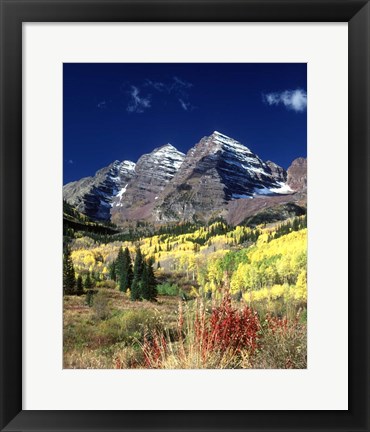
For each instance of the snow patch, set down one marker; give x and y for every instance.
(121, 192)
(255, 169)
(283, 189)
(263, 191)
(130, 166)
(226, 141)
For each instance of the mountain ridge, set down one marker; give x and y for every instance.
(166, 185)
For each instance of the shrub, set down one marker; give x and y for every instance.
(100, 305)
(89, 298)
(224, 337)
(76, 335)
(107, 284)
(168, 289)
(227, 329)
(130, 326)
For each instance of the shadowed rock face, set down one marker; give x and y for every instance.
(93, 195)
(277, 171)
(218, 177)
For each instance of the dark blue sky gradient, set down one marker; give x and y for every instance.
(178, 104)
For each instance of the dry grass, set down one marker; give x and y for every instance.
(283, 345)
(120, 338)
(109, 338)
(209, 336)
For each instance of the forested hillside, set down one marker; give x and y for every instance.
(133, 291)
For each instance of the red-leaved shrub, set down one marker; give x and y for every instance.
(227, 329)
(217, 336)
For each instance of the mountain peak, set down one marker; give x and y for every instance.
(219, 134)
(128, 165)
(227, 142)
(166, 148)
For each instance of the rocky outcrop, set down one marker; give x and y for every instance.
(297, 175)
(277, 172)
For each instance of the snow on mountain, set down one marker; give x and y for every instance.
(167, 185)
(216, 170)
(93, 195)
(153, 171)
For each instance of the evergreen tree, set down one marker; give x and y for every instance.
(80, 288)
(126, 276)
(95, 276)
(89, 297)
(144, 282)
(88, 282)
(304, 221)
(152, 283)
(69, 278)
(148, 284)
(158, 265)
(295, 226)
(120, 264)
(112, 271)
(89, 290)
(138, 271)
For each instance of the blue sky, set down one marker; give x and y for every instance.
(119, 111)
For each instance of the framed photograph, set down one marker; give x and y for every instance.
(184, 215)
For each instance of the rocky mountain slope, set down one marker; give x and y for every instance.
(153, 171)
(93, 195)
(219, 176)
(218, 169)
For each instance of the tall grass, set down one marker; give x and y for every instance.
(207, 337)
(283, 344)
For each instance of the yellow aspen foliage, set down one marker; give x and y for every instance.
(300, 291)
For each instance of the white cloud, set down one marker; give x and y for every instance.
(70, 161)
(295, 100)
(137, 104)
(173, 88)
(185, 105)
(176, 88)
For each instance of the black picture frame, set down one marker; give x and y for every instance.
(13, 14)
